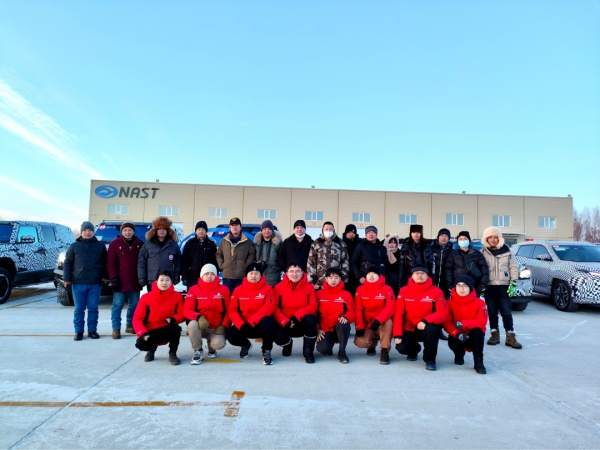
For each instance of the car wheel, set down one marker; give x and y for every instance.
(562, 296)
(519, 306)
(64, 295)
(6, 285)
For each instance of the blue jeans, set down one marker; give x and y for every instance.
(86, 296)
(117, 306)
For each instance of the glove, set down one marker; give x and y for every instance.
(360, 333)
(458, 324)
(512, 290)
(245, 329)
(375, 325)
(145, 337)
(295, 321)
(115, 284)
(462, 337)
(290, 324)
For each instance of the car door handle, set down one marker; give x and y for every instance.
(41, 250)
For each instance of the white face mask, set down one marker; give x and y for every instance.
(300, 236)
(328, 234)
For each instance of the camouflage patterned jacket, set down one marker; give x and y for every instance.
(325, 254)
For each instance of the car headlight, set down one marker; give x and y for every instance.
(61, 257)
(524, 274)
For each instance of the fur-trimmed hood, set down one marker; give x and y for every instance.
(276, 239)
(162, 222)
(386, 241)
(491, 231)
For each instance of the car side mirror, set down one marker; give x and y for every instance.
(27, 240)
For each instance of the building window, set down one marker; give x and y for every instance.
(118, 210)
(407, 219)
(266, 214)
(217, 213)
(168, 211)
(547, 222)
(501, 221)
(313, 215)
(455, 219)
(361, 217)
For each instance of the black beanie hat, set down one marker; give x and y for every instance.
(465, 234)
(201, 224)
(127, 225)
(445, 231)
(419, 268)
(300, 223)
(373, 268)
(328, 223)
(334, 270)
(351, 227)
(254, 266)
(415, 228)
(467, 279)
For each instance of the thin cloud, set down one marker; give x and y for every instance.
(19, 117)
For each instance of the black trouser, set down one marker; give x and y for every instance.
(169, 334)
(430, 337)
(473, 343)
(497, 299)
(306, 328)
(340, 335)
(265, 330)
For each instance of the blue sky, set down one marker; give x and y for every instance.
(486, 97)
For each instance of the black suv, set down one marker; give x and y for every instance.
(28, 252)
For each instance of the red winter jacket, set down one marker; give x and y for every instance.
(334, 302)
(122, 263)
(470, 310)
(155, 307)
(419, 303)
(374, 301)
(209, 300)
(250, 303)
(294, 299)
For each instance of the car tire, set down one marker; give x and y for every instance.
(562, 296)
(6, 285)
(519, 306)
(64, 294)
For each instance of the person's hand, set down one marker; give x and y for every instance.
(146, 337)
(320, 336)
(375, 325)
(458, 324)
(295, 321)
(290, 324)
(462, 337)
(67, 283)
(362, 280)
(397, 341)
(342, 320)
(360, 333)
(421, 325)
(170, 320)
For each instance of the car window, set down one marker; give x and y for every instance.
(48, 234)
(540, 250)
(5, 232)
(577, 253)
(525, 250)
(27, 231)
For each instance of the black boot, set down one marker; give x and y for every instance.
(149, 356)
(308, 349)
(286, 350)
(173, 359)
(342, 357)
(479, 367)
(384, 356)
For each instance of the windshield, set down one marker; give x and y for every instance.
(577, 253)
(107, 233)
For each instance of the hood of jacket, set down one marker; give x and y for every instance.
(491, 231)
(276, 239)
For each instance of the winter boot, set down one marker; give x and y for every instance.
(342, 357)
(267, 360)
(116, 334)
(173, 359)
(430, 365)
(286, 350)
(511, 340)
(384, 356)
(308, 349)
(149, 356)
(245, 349)
(479, 367)
(494, 338)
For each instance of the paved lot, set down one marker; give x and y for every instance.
(57, 393)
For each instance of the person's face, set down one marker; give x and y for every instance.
(161, 233)
(393, 246)
(333, 279)
(200, 233)
(372, 277)
(420, 277)
(295, 273)
(443, 239)
(462, 289)
(208, 277)
(267, 233)
(371, 236)
(163, 282)
(415, 236)
(254, 276)
(463, 239)
(328, 229)
(350, 235)
(127, 233)
(299, 231)
(87, 234)
(235, 229)
(493, 240)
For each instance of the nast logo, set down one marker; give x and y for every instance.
(108, 191)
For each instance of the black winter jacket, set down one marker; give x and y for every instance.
(293, 251)
(368, 254)
(472, 263)
(85, 262)
(195, 255)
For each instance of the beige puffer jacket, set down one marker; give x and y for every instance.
(500, 260)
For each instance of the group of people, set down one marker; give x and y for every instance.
(401, 290)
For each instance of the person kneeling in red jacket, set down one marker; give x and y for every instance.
(206, 313)
(156, 318)
(336, 313)
(374, 310)
(251, 312)
(420, 312)
(466, 323)
(296, 309)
